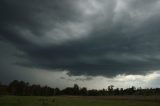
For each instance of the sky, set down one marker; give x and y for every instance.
(94, 43)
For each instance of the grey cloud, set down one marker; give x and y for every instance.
(107, 42)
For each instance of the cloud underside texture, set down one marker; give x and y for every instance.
(85, 37)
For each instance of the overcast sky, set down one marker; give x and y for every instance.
(93, 43)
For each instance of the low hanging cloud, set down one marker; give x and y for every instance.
(85, 37)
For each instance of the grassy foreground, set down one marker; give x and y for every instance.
(80, 101)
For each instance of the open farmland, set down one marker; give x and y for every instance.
(80, 101)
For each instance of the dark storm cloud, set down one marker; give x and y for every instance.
(88, 37)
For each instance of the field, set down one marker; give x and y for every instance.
(80, 101)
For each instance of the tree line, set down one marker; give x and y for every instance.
(21, 88)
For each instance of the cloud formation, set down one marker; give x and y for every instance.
(85, 37)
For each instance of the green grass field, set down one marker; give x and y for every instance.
(79, 101)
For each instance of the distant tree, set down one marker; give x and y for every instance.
(13, 87)
(76, 89)
(110, 89)
(21, 88)
(116, 91)
(93, 92)
(57, 91)
(36, 90)
(83, 91)
(18, 87)
(102, 92)
(121, 91)
(3, 89)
